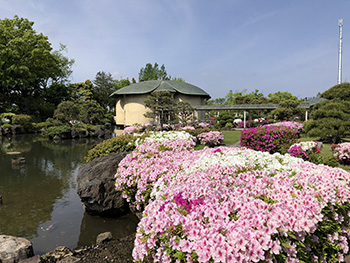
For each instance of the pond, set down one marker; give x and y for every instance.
(39, 194)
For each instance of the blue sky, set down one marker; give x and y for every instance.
(217, 45)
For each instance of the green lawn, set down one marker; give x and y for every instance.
(230, 137)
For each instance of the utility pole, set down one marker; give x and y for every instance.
(340, 24)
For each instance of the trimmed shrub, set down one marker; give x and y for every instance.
(342, 152)
(305, 150)
(122, 143)
(211, 138)
(24, 120)
(56, 130)
(269, 138)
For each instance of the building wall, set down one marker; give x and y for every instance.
(194, 101)
(130, 109)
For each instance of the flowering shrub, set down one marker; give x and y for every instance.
(269, 138)
(289, 124)
(138, 128)
(304, 149)
(240, 205)
(342, 152)
(211, 138)
(139, 170)
(241, 124)
(163, 136)
(188, 128)
(203, 125)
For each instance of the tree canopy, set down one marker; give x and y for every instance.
(162, 106)
(331, 118)
(150, 72)
(27, 65)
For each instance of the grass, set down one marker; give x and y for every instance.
(231, 137)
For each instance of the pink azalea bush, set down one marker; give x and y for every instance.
(137, 128)
(342, 152)
(211, 138)
(203, 125)
(289, 124)
(239, 205)
(304, 149)
(269, 138)
(139, 170)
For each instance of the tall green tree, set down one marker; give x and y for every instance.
(150, 72)
(103, 87)
(184, 112)
(162, 106)
(27, 65)
(82, 91)
(280, 96)
(330, 119)
(287, 110)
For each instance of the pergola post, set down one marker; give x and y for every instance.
(306, 115)
(244, 119)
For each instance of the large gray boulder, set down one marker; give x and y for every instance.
(13, 249)
(96, 186)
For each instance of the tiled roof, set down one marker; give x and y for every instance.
(161, 85)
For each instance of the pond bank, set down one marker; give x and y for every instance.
(115, 250)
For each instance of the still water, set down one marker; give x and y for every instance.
(39, 193)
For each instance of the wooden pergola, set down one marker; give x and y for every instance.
(247, 107)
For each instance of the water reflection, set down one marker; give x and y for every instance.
(39, 195)
(91, 226)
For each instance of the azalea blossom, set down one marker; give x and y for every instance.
(233, 205)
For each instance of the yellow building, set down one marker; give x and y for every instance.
(130, 106)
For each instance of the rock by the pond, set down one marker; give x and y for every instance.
(98, 132)
(17, 129)
(103, 237)
(13, 249)
(96, 186)
(35, 259)
(57, 254)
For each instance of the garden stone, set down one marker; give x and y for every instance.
(98, 132)
(13, 249)
(96, 186)
(74, 133)
(56, 138)
(103, 237)
(65, 135)
(57, 254)
(7, 131)
(108, 133)
(69, 259)
(17, 129)
(83, 133)
(35, 259)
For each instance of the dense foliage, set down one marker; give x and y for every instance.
(28, 67)
(331, 118)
